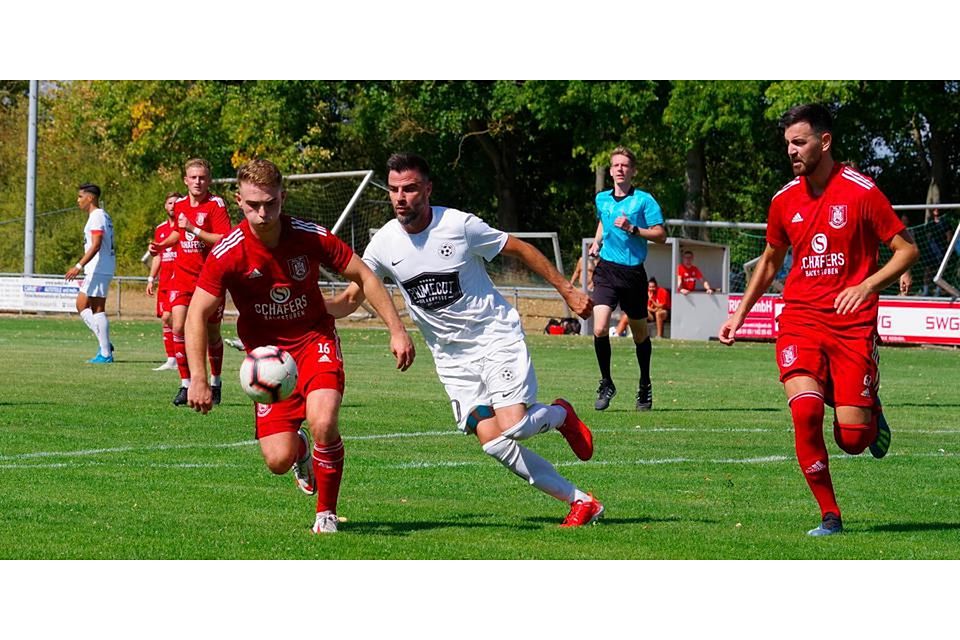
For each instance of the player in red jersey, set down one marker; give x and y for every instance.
(201, 221)
(834, 218)
(270, 263)
(688, 274)
(160, 279)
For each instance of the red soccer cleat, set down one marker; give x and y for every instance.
(583, 513)
(576, 433)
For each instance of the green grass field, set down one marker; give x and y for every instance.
(96, 463)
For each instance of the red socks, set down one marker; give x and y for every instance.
(180, 352)
(807, 410)
(328, 467)
(854, 438)
(168, 342)
(215, 353)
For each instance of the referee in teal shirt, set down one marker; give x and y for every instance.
(628, 218)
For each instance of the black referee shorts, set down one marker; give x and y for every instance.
(615, 284)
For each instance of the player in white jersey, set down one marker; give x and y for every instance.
(98, 265)
(436, 255)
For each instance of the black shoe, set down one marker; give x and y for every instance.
(605, 393)
(645, 397)
(181, 398)
(215, 392)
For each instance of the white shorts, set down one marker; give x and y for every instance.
(500, 379)
(96, 285)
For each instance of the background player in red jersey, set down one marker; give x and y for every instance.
(201, 221)
(270, 263)
(834, 218)
(161, 278)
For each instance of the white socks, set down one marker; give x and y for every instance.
(103, 332)
(540, 418)
(87, 316)
(531, 467)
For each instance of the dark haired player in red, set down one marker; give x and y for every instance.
(834, 218)
(201, 220)
(160, 280)
(270, 263)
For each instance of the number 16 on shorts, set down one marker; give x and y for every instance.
(328, 350)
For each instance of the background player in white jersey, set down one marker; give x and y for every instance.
(436, 255)
(98, 264)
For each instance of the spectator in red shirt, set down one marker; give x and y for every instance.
(658, 305)
(688, 274)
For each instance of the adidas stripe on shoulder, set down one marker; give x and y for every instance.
(229, 241)
(309, 227)
(857, 178)
(786, 187)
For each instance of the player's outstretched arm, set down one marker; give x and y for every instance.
(767, 267)
(400, 343)
(575, 298)
(169, 241)
(202, 306)
(905, 253)
(345, 302)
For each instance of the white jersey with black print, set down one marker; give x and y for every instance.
(443, 278)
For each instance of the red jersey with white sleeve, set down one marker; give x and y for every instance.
(835, 238)
(209, 215)
(276, 291)
(168, 256)
(688, 276)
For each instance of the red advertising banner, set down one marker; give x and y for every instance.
(899, 319)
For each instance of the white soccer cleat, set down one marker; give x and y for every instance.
(303, 469)
(235, 343)
(169, 365)
(326, 522)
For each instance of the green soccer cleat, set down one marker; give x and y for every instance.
(880, 446)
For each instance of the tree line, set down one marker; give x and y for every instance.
(524, 155)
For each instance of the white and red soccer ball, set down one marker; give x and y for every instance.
(268, 374)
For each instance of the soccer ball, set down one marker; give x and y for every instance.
(268, 374)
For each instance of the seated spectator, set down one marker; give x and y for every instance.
(658, 305)
(688, 274)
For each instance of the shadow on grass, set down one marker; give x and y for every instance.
(407, 527)
(607, 520)
(922, 405)
(660, 409)
(915, 526)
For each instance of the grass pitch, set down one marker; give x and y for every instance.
(95, 462)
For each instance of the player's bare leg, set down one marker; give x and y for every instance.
(323, 411)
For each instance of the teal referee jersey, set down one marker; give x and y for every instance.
(641, 210)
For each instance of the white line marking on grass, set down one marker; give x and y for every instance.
(96, 452)
(65, 465)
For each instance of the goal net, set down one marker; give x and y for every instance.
(345, 202)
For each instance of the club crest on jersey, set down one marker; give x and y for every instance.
(445, 250)
(838, 216)
(299, 268)
(280, 294)
(201, 216)
(788, 355)
(263, 409)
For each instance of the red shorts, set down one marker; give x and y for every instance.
(319, 366)
(845, 363)
(182, 299)
(163, 302)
